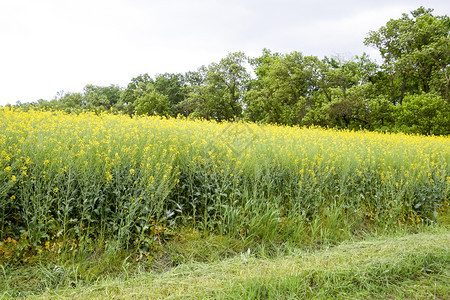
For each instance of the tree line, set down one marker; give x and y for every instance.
(408, 91)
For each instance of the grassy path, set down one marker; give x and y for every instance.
(405, 267)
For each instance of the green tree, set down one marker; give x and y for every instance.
(134, 90)
(101, 98)
(381, 113)
(414, 48)
(439, 54)
(253, 98)
(425, 113)
(283, 89)
(216, 91)
(175, 88)
(348, 87)
(71, 102)
(150, 102)
(350, 108)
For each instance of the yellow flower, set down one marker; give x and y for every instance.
(108, 176)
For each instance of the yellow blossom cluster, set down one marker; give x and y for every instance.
(113, 164)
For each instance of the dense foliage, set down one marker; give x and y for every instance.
(84, 180)
(408, 92)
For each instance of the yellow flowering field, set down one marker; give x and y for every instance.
(70, 179)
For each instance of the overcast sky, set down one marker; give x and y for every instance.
(51, 45)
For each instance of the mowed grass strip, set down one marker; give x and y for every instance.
(412, 267)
